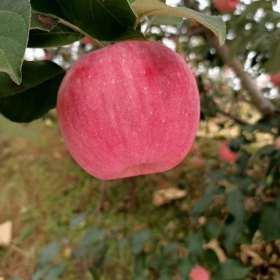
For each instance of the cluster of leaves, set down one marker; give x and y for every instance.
(96, 252)
(29, 89)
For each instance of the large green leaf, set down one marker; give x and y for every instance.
(47, 7)
(34, 74)
(157, 8)
(59, 36)
(15, 17)
(103, 20)
(35, 96)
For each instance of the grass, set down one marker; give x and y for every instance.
(43, 190)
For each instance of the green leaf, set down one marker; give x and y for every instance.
(204, 203)
(47, 7)
(272, 65)
(157, 8)
(49, 253)
(55, 272)
(103, 20)
(92, 236)
(166, 20)
(233, 231)
(195, 243)
(44, 70)
(59, 36)
(235, 204)
(139, 240)
(15, 17)
(35, 96)
(269, 224)
(233, 270)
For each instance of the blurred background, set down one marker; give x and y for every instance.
(219, 209)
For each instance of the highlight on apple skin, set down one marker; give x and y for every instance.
(129, 109)
(199, 273)
(226, 6)
(275, 79)
(226, 154)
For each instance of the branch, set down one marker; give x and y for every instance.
(75, 28)
(216, 248)
(230, 116)
(260, 102)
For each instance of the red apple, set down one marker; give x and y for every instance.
(199, 273)
(275, 79)
(198, 162)
(129, 109)
(226, 154)
(87, 41)
(226, 6)
(277, 143)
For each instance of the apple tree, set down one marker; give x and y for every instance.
(233, 50)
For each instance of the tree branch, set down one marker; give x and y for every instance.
(260, 102)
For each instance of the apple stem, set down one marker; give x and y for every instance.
(97, 43)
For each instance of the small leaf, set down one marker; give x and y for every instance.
(203, 204)
(195, 243)
(269, 224)
(139, 240)
(157, 8)
(233, 270)
(42, 22)
(15, 17)
(235, 204)
(35, 96)
(233, 231)
(49, 253)
(55, 272)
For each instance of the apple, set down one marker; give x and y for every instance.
(198, 162)
(275, 79)
(129, 109)
(277, 143)
(226, 6)
(199, 273)
(87, 41)
(226, 154)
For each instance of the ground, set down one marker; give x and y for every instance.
(42, 189)
(45, 194)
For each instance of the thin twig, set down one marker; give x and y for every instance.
(77, 29)
(216, 248)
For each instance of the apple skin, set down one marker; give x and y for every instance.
(275, 79)
(129, 109)
(226, 154)
(199, 273)
(226, 6)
